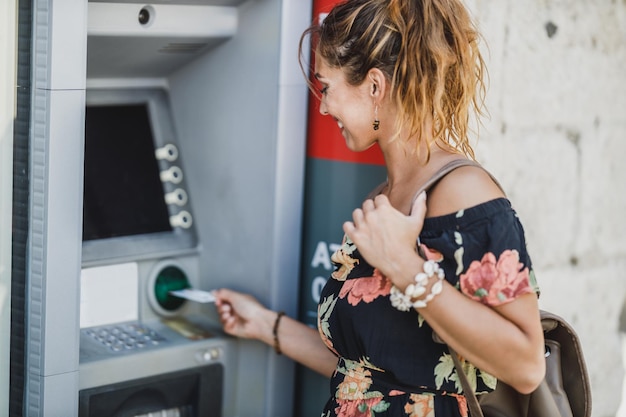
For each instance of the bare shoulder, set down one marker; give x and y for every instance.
(462, 188)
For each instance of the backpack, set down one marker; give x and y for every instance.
(564, 392)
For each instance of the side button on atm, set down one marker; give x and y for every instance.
(208, 355)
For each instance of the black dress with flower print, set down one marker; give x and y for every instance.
(389, 364)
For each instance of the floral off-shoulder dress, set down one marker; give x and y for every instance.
(389, 364)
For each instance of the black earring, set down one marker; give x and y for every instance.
(376, 124)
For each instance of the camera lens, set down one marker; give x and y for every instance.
(144, 16)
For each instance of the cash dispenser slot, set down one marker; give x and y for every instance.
(190, 393)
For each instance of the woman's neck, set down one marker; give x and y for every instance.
(408, 171)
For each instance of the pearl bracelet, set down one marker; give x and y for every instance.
(403, 300)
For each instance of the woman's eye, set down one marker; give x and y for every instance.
(324, 90)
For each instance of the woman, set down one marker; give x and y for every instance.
(406, 74)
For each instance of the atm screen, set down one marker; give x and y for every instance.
(123, 193)
(135, 202)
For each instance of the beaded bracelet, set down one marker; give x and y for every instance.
(403, 300)
(275, 332)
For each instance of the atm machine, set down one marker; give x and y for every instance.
(142, 349)
(176, 162)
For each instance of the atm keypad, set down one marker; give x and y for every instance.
(125, 336)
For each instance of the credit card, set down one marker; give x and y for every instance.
(192, 294)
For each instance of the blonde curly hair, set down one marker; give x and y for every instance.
(427, 49)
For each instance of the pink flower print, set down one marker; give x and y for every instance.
(496, 282)
(365, 289)
(462, 404)
(360, 408)
(420, 405)
(355, 384)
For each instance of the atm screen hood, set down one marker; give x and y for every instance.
(132, 40)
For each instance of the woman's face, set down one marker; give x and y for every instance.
(352, 107)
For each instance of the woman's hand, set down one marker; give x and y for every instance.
(385, 236)
(241, 314)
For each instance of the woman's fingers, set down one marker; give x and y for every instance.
(368, 205)
(380, 200)
(358, 217)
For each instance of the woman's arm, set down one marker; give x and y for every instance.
(243, 316)
(505, 341)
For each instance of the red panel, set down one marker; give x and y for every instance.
(324, 137)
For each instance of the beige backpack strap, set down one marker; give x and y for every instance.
(449, 167)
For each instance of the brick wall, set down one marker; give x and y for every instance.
(556, 139)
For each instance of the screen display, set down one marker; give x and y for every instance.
(123, 193)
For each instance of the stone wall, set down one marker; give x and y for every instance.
(556, 139)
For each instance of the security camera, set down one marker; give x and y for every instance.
(144, 16)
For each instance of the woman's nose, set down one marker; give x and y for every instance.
(323, 107)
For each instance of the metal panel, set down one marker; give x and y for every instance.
(137, 40)
(7, 114)
(240, 111)
(59, 39)
(55, 244)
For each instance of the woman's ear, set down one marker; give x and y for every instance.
(377, 83)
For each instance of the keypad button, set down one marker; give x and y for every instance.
(125, 337)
